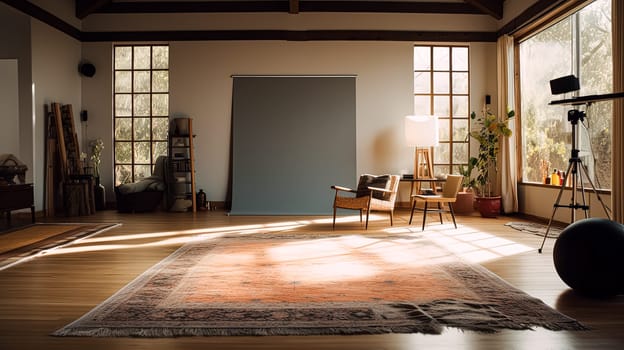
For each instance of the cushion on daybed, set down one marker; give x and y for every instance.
(145, 194)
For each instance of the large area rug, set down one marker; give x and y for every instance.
(25, 243)
(298, 284)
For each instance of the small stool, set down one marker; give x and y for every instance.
(78, 196)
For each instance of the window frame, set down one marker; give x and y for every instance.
(153, 142)
(451, 166)
(570, 11)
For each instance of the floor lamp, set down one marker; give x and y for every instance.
(421, 131)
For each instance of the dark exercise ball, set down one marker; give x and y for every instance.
(589, 257)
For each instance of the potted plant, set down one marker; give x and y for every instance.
(468, 182)
(488, 131)
(464, 203)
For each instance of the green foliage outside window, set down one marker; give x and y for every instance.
(579, 45)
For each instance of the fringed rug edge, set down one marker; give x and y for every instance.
(168, 332)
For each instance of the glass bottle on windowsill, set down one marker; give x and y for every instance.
(554, 178)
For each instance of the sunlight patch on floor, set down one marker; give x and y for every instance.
(349, 257)
(467, 242)
(167, 238)
(102, 247)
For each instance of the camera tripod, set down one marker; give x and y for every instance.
(576, 169)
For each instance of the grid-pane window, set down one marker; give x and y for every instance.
(579, 44)
(141, 109)
(441, 88)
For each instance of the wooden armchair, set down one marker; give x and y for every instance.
(448, 197)
(373, 193)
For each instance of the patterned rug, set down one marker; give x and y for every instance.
(298, 284)
(28, 242)
(535, 228)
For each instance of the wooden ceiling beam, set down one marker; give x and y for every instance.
(493, 8)
(197, 6)
(292, 35)
(290, 6)
(87, 7)
(293, 6)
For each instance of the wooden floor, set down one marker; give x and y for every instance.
(39, 296)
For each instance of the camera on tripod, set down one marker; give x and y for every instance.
(576, 169)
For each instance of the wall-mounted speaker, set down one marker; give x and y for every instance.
(488, 99)
(86, 69)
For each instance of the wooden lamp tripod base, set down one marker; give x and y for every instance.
(423, 168)
(423, 164)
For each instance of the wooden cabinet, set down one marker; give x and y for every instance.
(182, 162)
(17, 196)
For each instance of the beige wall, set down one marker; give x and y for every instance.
(63, 9)
(97, 101)
(15, 39)
(47, 62)
(201, 82)
(201, 87)
(9, 100)
(284, 21)
(539, 200)
(513, 8)
(55, 78)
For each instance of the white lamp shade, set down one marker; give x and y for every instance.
(421, 130)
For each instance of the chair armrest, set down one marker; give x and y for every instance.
(379, 189)
(341, 188)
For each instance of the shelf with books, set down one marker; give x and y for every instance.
(182, 164)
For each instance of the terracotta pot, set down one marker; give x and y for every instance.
(489, 207)
(464, 203)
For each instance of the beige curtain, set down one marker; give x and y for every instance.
(617, 149)
(505, 71)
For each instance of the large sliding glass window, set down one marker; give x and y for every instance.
(441, 88)
(581, 45)
(141, 109)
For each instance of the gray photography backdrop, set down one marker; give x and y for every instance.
(292, 138)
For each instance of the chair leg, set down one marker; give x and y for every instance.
(360, 216)
(334, 225)
(391, 215)
(452, 214)
(412, 214)
(440, 212)
(424, 215)
(367, 212)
